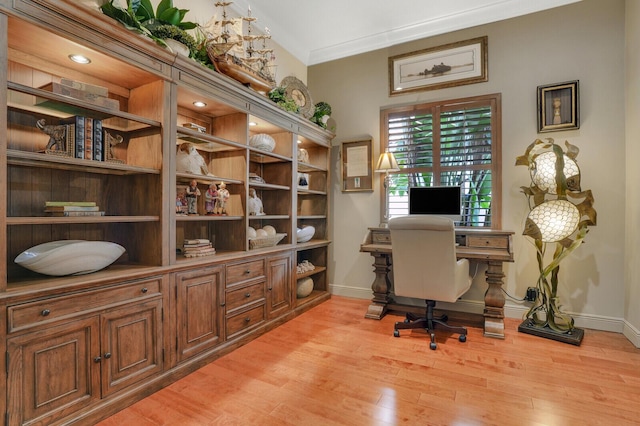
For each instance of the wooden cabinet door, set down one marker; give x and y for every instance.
(279, 295)
(200, 312)
(131, 344)
(53, 371)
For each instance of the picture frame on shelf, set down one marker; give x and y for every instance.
(449, 65)
(559, 107)
(357, 166)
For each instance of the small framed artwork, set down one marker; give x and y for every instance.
(357, 169)
(558, 107)
(454, 64)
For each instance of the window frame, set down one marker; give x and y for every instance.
(495, 102)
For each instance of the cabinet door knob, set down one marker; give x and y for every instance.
(107, 355)
(45, 312)
(97, 359)
(223, 304)
(144, 289)
(270, 288)
(247, 295)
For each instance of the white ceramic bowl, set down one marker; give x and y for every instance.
(304, 287)
(263, 142)
(305, 233)
(70, 257)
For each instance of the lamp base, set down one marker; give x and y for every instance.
(574, 337)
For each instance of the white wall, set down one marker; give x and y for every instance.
(632, 220)
(582, 41)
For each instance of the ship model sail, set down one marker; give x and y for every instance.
(234, 53)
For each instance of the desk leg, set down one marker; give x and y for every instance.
(494, 302)
(381, 286)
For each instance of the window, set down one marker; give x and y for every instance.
(448, 143)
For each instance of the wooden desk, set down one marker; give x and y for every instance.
(482, 245)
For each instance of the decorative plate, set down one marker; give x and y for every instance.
(70, 257)
(296, 90)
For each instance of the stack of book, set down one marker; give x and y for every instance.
(84, 138)
(72, 208)
(197, 248)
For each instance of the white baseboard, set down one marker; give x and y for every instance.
(594, 322)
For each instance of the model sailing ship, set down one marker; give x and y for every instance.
(234, 53)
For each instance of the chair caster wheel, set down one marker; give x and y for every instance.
(432, 346)
(396, 333)
(462, 338)
(407, 321)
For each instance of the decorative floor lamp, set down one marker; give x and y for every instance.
(386, 163)
(560, 213)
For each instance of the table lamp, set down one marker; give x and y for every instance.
(386, 163)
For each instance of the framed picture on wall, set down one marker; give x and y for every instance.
(357, 168)
(454, 64)
(558, 107)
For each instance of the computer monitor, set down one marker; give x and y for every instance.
(436, 200)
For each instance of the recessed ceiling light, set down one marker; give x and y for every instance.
(199, 104)
(299, 141)
(253, 123)
(80, 59)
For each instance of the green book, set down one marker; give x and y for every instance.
(70, 203)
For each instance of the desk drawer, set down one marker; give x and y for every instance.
(245, 271)
(380, 237)
(244, 321)
(48, 310)
(244, 296)
(489, 242)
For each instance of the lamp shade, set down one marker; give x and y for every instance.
(387, 163)
(543, 174)
(552, 221)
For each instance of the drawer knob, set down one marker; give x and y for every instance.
(248, 271)
(107, 355)
(247, 319)
(247, 295)
(45, 312)
(144, 289)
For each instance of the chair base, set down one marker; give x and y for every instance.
(429, 323)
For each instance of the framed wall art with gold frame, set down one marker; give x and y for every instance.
(558, 107)
(357, 166)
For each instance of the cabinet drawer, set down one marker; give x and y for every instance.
(245, 271)
(244, 321)
(491, 242)
(45, 311)
(244, 296)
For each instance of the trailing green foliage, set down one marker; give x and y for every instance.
(278, 96)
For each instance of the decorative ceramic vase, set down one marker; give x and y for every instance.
(305, 233)
(304, 287)
(177, 47)
(263, 142)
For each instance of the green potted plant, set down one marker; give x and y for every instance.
(165, 24)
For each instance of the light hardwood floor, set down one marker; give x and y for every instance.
(330, 366)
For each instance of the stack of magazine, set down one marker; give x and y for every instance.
(197, 248)
(72, 208)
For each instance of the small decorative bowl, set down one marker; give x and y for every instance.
(304, 287)
(305, 233)
(263, 142)
(70, 257)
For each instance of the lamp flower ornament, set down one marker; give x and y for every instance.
(560, 213)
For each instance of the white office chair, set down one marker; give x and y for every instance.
(425, 267)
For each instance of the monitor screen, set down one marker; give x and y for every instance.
(435, 200)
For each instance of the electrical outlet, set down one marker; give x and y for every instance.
(532, 294)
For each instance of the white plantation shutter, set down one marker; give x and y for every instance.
(448, 144)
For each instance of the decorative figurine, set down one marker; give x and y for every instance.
(57, 136)
(189, 160)
(110, 142)
(255, 204)
(210, 198)
(223, 197)
(192, 197)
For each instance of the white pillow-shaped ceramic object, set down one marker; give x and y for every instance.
(305, 233)
(251, 232)
(270, 230)
(70, 257)
(261, 233)
(263, 142)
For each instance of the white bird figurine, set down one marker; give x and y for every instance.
(189, 160)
